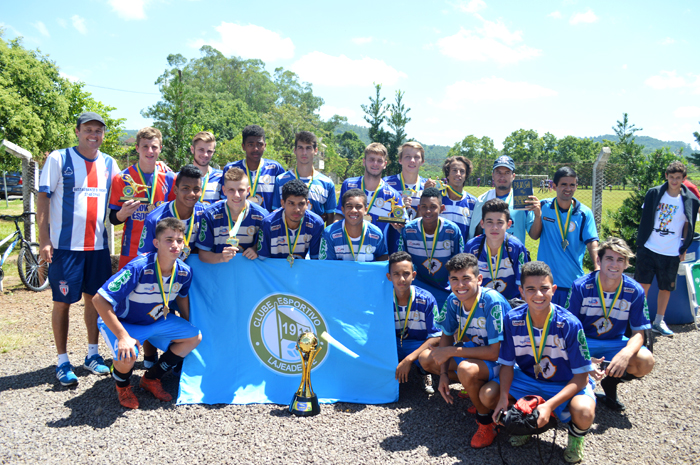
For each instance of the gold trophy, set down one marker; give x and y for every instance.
(132, 189)
(396, 214)
(305, 402)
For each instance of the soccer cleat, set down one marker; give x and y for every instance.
(519, 441)
(127, 398)
(662, 329)
(574, 450)
(463, 394)
(612, 404)
(65, 375)
(96, 365)
(155, 387)
(484, 436)
(428, 383)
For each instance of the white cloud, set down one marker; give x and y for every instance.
(353, 116)
(469, 7)
(587, 17)
(70, 77)
(666, 80)
(492, 89)
(624, 66)
(249, 41)
(341, 71)
(62, 22)
(687, 112)
(492, 42)
(129, 9)
(41, 27)
(668, 41)
(79, 24)
(555, 15)
(362, 40)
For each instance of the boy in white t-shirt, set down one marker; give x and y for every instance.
(665, 232)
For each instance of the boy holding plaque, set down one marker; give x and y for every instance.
(135, 306)
(292, 231)
(414, 312)
(459, 204)
(544, 353)
(354, 238)
(231, 226)
(472, 330)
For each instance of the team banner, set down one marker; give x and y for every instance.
(251, 313)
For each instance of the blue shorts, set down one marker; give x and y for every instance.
(73, 273)
(494, 367)
(560, 296)
(161, 333)
(607, 348)
(408, 347)
(523, 386)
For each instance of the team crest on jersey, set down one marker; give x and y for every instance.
(379, 202)
(250, 230)
(507, 262)
(447, 245)
(119, 281)
(63, 287)
(572, 227)
(466, 212)
(433, 266)
(548, 368)
(583, 345)
(68, 171)
(275, 325)
(602, 325)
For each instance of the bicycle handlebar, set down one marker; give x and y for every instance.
(16, 217)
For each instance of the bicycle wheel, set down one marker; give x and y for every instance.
(33, 272)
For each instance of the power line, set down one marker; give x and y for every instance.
(122, 90)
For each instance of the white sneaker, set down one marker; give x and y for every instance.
(428, 384)
(662, 329)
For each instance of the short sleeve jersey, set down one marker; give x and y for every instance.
(513, 256)
(485, 327)
(78, 191)
(584, 302)
(582, 230)
(334, 244)
(459, 211)
(211, 186)
(214, 228)
(321, 191)
(135, 294)
(565, 353)
(133, 226)
(421, 321)
(272, 237)
(449, 243)
(265, 190)
(415, 190)
(167, 210)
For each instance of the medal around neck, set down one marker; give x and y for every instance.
(305, 402)
(232, 240)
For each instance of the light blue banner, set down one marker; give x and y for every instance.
(252, 312)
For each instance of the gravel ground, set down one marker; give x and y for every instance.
(43, 422)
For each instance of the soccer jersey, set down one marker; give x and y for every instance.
(367, 248)
(416, 190)
(133, 226)
(321, 191)
(211, 186)
(382, 205)
(135, 294)
(486, 325)
(522, 219)
(167, 210)
(273, 240)
(565, 353)
(264, 192)
(631, 305)
(567, 265)
(420, 325)
(78, 189)
(513, 256)
(459, 211)
(449, 243)
(214, 228)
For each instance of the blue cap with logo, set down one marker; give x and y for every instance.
(504, 160)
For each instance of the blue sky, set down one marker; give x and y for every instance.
(467, 66)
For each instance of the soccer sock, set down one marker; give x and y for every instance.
(484, 418)
(150, 358)
(628, 377)
(576, 431)
(659, 319)
(166, 362)
(62, 358)
(122, 379)
(92, 350)
(609, 385)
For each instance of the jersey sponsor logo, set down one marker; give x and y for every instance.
(336, 235)
(583, 345)
(150, 288)
(589, 286)
(646, 309)
(275, 325)
(68, 172)
(119, 281)
(220, 216)
(545, 218)
(373, 236)
(143, 236)
(180, 273)
(337, 248)
(275, 227)
(323, 250)
(90, 191)
(148, 271)
(420, 301)
(568, 298)
(203, 230)
(260, 239)
(410, 230)
(449, 231)
(63, 287)
(497, 315)
(256, 217)
(560, 324)
(628, 289)
(518, 322)
(440, 315)
(309, 225)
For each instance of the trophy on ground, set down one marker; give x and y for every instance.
(132, 189)
(305, 402)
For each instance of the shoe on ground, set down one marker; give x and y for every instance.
(65, 375)
(463, 394)
(574, 450)
(612, 404)
(662, 329)
(428, 383)
(484, 436)
(519, 441)
(471, 410)
(155, 387)
(127, 398)
(96, 365)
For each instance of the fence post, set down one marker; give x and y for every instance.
(29, 185)
(599, 185)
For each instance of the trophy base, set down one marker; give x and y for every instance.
(140, 199)
(304, 406)
(388, 219)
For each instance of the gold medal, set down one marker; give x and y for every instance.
(564, 244)
(150, 207)
(368, 218)
(232, 240)
(538, 370)
(186, 252)
(290, 259)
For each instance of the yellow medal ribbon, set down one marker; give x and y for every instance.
(425, 241)
(204, 185)
(289, 241)
(159, 278)
(403, 185)
(494, 275)
(458, 194)
(233, 228)
(190, 226)
(254, 186)
(461, 331)
(374, 197)
(564, 231)
(538, 351)
(408, 311)
(362, 241)
(150, 195)
(313, 171)
(601, 294)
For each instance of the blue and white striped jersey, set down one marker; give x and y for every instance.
(421, 322)
(213, 231)
(164, 211)
(321, 192)
(272, 237)
(513, 256)
(266, 184)
(459, 212)
(334, 245)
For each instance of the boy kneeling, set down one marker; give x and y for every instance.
(128, 316)
(549, 346)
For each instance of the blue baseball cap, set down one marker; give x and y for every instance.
(504, 160)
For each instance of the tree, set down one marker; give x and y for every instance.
(398, 119)
(352, 149)
(525, 147)
(481, 152)
(375, 115)
(695, 157)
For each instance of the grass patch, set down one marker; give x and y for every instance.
(11, 338)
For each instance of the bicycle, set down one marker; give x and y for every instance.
(33, 272)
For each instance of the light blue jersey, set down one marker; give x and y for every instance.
(273, 241)
(334, 245)
(485, 327)
(265, 189)
(321, 192)
(167, 210)
(459, 212)
(213, 231)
